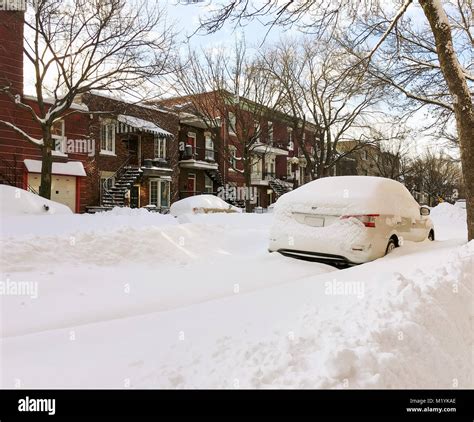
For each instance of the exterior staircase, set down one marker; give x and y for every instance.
(125, 177)
(216, 177)
(279, 186)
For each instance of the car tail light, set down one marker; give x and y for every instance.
(367, 219)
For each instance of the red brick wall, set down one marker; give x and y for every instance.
(11, 50)
(166, 120)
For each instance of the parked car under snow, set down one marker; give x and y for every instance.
(347, 220)
(200, 204)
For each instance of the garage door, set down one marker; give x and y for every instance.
(63, 188)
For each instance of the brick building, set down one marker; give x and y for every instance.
(213, 144)
(136, 154)
(20, 160)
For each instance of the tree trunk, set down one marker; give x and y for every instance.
(462, 102)
(47, 164)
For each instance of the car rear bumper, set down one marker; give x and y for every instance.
(325, 258)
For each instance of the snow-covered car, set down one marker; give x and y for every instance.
(200, 204)
(460, 203)
(347, 220)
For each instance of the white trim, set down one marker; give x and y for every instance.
(159, 181)
(103, 124)
(71, 168)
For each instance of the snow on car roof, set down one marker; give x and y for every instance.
(187, 205)
(352, 195)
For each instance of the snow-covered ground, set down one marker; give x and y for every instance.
(132, 299)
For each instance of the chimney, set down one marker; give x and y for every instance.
(11, 49)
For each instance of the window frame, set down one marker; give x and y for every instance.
(209, 152)
(106, 124)
(158, 193)
(159, 144)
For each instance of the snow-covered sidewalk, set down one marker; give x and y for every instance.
(144, 300)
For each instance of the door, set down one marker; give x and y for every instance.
(63, 188)
(191, 184)
(132, 148)
(135, 196)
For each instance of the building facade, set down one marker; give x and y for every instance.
(20, 160)
(136, 154)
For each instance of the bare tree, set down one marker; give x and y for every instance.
(323, 87)
(392, 158)
(229, 91)
(435, 175)
(76, 46)
(323, 15)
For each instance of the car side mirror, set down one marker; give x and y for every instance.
(424, 211)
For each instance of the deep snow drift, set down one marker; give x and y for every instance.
(136, 299)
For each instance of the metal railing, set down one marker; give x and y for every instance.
(266, 175)
(198, 153)
(105, 184)
(11, 174)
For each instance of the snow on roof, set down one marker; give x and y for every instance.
(74, 106)
(269, 149)
(71, 168)
(352, 195)
(143, 125)
(141, 104)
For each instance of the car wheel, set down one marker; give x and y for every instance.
(431, 235)
(391, 246)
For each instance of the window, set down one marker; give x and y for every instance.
(159, 147)
(232, 156)
(270, 133)
(256, 168)
(364, 154)
(58, 135)
(270, 165)
(289, 170)
(191, 185)
(160, 193)
(208, 184)
(209, 143)
(257, 131)
(291, 145)
(232, 123)
(107, 137)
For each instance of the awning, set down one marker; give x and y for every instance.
(71, 168)
(131, 124)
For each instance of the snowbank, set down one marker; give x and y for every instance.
(16, 201)
(345, 195)
(449, 221)
(126, 211)
(447, 212)
(201, 204)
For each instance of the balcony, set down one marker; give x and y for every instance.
(198, 158)
(152, 166)
(261, 179)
